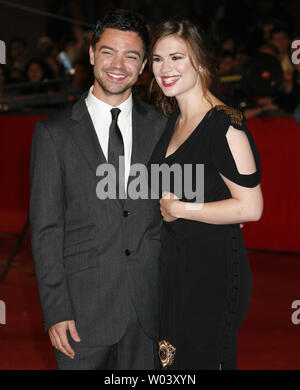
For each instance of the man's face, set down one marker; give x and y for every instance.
(281, 41)
(118, 62)
(35, 73)
(17, 50)
(267, 28)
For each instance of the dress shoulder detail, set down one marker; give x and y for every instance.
(236, 116)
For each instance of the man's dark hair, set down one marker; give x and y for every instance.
(271, 20)
(280, 29)
(124, 20)
(17, 40)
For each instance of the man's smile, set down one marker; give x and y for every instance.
(118, 77)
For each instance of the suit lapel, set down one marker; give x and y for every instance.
(85, 135)
(139, 153)
(86, 138)
(141, 148)
(140, 145)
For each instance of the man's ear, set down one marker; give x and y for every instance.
(92, 55)
(143, 66)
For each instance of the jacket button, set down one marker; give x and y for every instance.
(126, 213)
(127, 252)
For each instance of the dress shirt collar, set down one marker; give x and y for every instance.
(101, 107)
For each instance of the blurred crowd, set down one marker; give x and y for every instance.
(254, 70)
(264, 81)
(53, 68)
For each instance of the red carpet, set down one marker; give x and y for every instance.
(268, 339)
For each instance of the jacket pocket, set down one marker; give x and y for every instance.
(79, 262)
(79, 240)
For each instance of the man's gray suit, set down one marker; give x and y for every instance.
(92, 257)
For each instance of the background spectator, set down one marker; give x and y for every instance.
(280, 38)
(48, 51)
(36, 72)
(4, 79)
(268, 48)
(227, 64)
(18, 56)
(240, 31)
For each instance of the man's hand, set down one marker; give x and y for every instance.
(59, 339)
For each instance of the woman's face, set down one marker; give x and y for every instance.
(35, 73)
(172, 67)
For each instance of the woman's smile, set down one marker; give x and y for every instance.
(169, 81)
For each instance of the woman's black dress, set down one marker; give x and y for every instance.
(206, 281)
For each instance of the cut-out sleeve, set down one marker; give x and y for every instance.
(221, 154)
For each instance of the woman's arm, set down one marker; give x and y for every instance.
(246, 203)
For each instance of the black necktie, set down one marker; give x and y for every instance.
(116, 150)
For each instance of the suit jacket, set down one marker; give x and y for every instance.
(91, 256)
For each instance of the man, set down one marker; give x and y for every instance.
(96, 260)
(279, 37)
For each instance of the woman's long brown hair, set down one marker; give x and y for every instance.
(198, 52)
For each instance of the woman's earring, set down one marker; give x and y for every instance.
(200, 69)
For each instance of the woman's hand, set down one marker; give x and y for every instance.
(169, 206)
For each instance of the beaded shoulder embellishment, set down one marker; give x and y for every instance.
(236, 117)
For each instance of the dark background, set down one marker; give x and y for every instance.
(240, 16)
(233, 29)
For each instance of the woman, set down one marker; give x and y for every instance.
(37, 72)
(205, 275)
